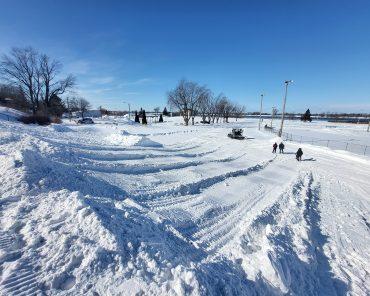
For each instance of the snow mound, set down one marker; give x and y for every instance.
(10, 114)
(61, 128)
(126, 139)
(146, 142)
(122, 139)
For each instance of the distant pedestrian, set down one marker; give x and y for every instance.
(274, 147)
(281, 147)
(299, 154)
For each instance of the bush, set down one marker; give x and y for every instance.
(143, 120)
(35, 119)
(55, 119)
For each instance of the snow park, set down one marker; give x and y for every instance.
(184, 148)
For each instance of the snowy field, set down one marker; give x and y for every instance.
(123, 209)
(337, 136)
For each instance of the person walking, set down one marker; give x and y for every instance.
(274, 147)
(299, 154)
(281, 147)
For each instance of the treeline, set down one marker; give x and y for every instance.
(32, 82)
(13, 97)
(192, 99)
(339, 115)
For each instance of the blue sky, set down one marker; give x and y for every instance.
(137, 50)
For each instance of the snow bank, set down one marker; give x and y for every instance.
(122, 139)
(125, 139)
(61, 128)
(10, 114)
(146, 142)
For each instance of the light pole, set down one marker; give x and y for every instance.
(284, 103)
(129, 109)
(259, 122)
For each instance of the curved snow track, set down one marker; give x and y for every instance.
(179, 211)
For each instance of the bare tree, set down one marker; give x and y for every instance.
(51, 85)
(204, 105)
(83, 106)
(71, 106)
(212, 111)
(185, 97)
(21, 68)
(197, 93)
(36, 75)
(220, 105)
(239, 111)
(226, 108)
(178, 99)
(156, 111)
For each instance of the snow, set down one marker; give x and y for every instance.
(337, 136)
(118, 208)
(10, 114)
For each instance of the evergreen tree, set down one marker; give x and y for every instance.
(56, 107)
(306, 116)
(137, 117)
(165, 112)
(143, 121)
(160, 118)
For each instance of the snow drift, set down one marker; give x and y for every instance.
(109, 210)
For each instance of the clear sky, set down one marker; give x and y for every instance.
(137, 50)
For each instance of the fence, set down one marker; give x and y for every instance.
(333, 144)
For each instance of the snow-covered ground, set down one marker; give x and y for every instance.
(338, 136)
(10, 114)
(123, 209)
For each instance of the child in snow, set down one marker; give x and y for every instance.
(281, 147)
(274, 148)
(299, 154)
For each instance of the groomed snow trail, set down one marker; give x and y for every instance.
(171, 210)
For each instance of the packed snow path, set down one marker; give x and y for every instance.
(119, 209)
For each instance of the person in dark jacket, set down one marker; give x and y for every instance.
(274, 147)
(299, 154)
(281, 147)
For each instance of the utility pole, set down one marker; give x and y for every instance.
(368, 126)
(284, 103)
(259, 122)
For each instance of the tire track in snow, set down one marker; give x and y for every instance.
(24, 279)
(217, 233)
(212, 233)
(137, 156)
(217, 226)
(22, 282)
(185, 192)
(150, 169)
(130, 148)
(291, 229)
